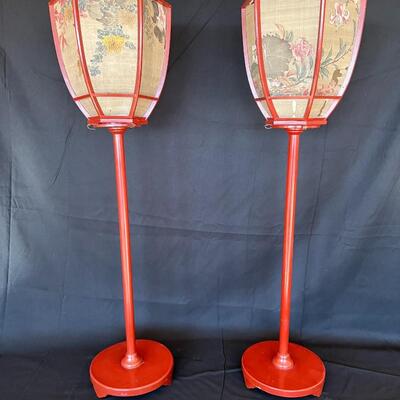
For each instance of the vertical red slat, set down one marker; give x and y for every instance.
(318, 58)
(139, 66)
(81, 51)
(261, 66)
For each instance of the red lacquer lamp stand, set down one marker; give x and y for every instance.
(133, 367)
(282, 368)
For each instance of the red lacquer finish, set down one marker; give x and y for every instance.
(282, 368)
(132, 359)
(282, 359)
(134, 367)
(109, 378)
(306, 377)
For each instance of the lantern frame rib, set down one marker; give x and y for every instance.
(318, 58)
(138, 82)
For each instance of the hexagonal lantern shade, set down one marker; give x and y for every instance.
(113, 56)
(300, 55)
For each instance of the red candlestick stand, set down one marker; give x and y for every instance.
(133, 367)
(282, 368)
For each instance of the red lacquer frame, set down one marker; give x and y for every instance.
(272, 119)
(279, 367)
(102, 120)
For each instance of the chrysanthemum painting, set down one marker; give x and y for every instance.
(113, 16)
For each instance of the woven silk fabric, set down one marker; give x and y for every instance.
(110, 42)
(289, 32)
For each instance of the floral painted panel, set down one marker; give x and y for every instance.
(155, 21)
(110, 35)
(252, 55)
(68, 48)
(252, 59)
(341, 26)
(154, 49)
(289, 40)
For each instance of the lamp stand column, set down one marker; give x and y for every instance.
(134, 367)
(279, 367)
(132, 359)
(283, 359)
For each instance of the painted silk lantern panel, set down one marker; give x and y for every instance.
(289, 32)
(155, 46)
(110, 41)
(343, 21)
(289, 38)
(110, 34)
(62, 19)
(250, 47)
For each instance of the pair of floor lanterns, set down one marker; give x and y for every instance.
(299, 55)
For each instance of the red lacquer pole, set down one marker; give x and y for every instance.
(132, 359)
(279, 367)
(282, 359)
(133, 367)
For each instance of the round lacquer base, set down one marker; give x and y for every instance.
(109, 378)
(307, 377)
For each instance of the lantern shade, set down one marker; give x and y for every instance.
(300, 55)
(113, 56)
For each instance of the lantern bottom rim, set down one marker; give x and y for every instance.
(295, 123)
(115, 122)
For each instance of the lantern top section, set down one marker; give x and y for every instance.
(113, 55)
(300, 55)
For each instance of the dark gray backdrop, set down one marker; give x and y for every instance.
(206, 185)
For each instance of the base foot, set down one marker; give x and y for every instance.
(109, 378)
(307, 377)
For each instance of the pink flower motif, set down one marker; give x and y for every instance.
(301, 49)
(340, 16)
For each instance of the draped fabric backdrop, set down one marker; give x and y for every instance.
(206, 185)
